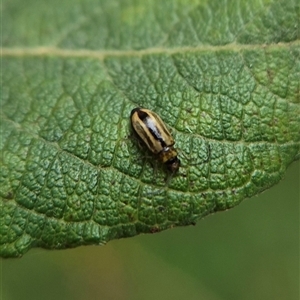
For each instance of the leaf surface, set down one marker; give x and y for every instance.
(223, 75)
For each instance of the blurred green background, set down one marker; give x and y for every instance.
(249, 252)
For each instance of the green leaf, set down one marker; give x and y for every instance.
(223, 75)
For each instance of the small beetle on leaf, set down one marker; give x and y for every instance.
(153, 132)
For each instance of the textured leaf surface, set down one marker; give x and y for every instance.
(224, 75)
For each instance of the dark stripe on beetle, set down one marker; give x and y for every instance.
(165, 131)
(142, 115)
(162, 126)
(134, 110)
(143, 135)
(157, 138)
(156, 134)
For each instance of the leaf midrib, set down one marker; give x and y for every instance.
(102, 54)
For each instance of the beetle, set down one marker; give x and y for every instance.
(150, 128)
